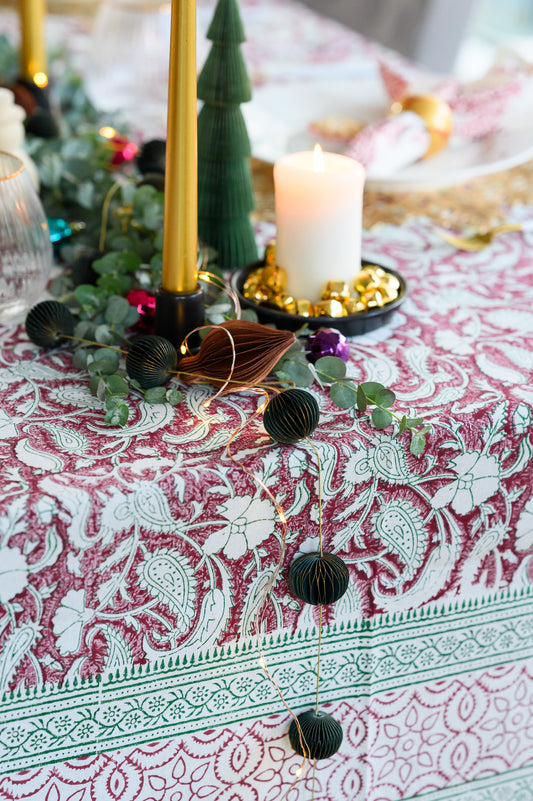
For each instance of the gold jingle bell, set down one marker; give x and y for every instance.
(304, 307)
(437, 115)
(252, 282)
(270, 254)
(374, 299)
(388, 292)
(336, 290)
(355, 305)
(368, 279)
(329, 308)
(275, 278)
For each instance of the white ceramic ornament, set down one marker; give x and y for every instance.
(12, 132)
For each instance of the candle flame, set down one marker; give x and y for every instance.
(40, 79)
(318, 159)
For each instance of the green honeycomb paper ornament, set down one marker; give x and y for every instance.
(225, 190)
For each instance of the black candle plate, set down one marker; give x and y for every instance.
(352, 325)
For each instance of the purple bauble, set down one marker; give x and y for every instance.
(327, 342)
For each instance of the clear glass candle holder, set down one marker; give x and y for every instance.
(25, 247)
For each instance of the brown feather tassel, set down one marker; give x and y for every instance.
(257, 350)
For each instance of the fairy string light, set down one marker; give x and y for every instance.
(289, 416)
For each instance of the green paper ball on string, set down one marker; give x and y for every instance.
(152, 361)
(290, 416)
(49, 323)
(318, 578)
(320, 738)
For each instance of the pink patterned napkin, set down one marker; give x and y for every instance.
(479, 108)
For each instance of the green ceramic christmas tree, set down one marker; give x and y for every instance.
(225, 191)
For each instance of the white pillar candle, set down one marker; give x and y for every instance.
(319, 220)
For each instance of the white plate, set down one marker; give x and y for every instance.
(279, 116)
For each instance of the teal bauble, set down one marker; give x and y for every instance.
(290, 416)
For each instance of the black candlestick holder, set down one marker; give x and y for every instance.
(176, 315)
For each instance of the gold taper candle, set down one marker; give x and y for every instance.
(33, 63)
(180, 231)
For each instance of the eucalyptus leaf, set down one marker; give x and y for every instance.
(57, 286)
(152, 216)
(371, 389)
(298, 373)
(79, 359)
(118, 414)
(249, 315)
(418, 443)
(330, 368)
(411, 422)
(120, 242)
(173, 396)
(85, 195)
(385, 397)
(94, 383)
(132, 316)
(107, 354)
(115, 284)
(103, 335)
(403, 425)
(127, 191)
(101, 391)
(361, 399)
(381, 418)
(156, 395)
(117, 309)
(101, 367)
(157, 261)
(343, 394)
(87, 294)
(107, 264)
(282, 376)
(117, 386)
(128, 261)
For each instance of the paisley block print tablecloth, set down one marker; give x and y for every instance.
(132, 562)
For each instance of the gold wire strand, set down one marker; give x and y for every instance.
(283, 544)
(105, 212)
(215, 280)
(319, 471)
(233, 354)
(300, 774)
(272, 387)
(318, 658)
(319, 650)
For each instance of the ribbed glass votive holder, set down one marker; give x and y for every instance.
(25, 247)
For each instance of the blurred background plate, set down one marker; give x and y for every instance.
(279, 119)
